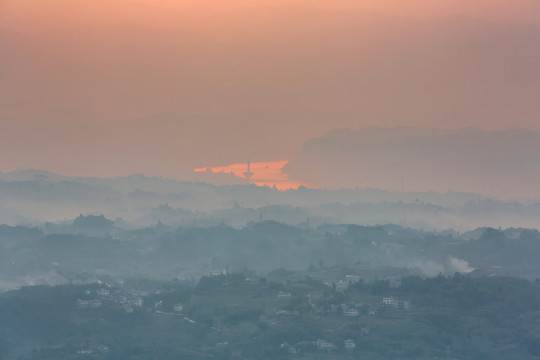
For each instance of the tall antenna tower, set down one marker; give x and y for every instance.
(248, 173)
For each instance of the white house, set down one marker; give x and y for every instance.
(388, 300)
(284, 295)
(350, 312)
(350, 345)
(103, 292)
(325, 345)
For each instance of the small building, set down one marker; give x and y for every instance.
(88, 304)
(350, 312)
(94, 304)
(286, 313)
(352, 278)
(103, 348)
(103, 292)
(84, 352)
(401, 304)
(342, 285)
(83, 304)
(284, 295)
(350, 345)
(325, 345)
(290, 349)
(388, 300)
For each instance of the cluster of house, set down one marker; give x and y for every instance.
(89, 304)
(350, 310)
(282, 295)
(128, 299)
(344, 283)
(86, 348)
(177, 308)
(285, 313)
(393, 282)
(319, 344)
(396, 303)
(352, 278)
(325, 345)
(347, 310)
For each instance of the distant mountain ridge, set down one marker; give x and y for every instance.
(32, 197)
(503, 163)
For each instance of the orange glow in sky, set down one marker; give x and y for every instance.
(114, 87)
(265, 173)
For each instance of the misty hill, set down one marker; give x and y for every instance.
(31, 197)
(506, 163)
(71, 253)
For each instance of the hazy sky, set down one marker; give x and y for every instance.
(105, 88)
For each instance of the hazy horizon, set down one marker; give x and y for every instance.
(162, 88)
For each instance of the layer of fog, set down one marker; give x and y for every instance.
(34, 197)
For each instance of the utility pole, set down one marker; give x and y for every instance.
(248, 173)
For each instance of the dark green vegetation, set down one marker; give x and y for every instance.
(232, 316)
(92, 248)
(309, 292)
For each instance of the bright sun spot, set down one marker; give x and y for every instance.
(265, 173)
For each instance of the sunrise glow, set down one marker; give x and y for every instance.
(102, 88)
(265, 173)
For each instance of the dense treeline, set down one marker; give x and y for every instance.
(82, 251)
